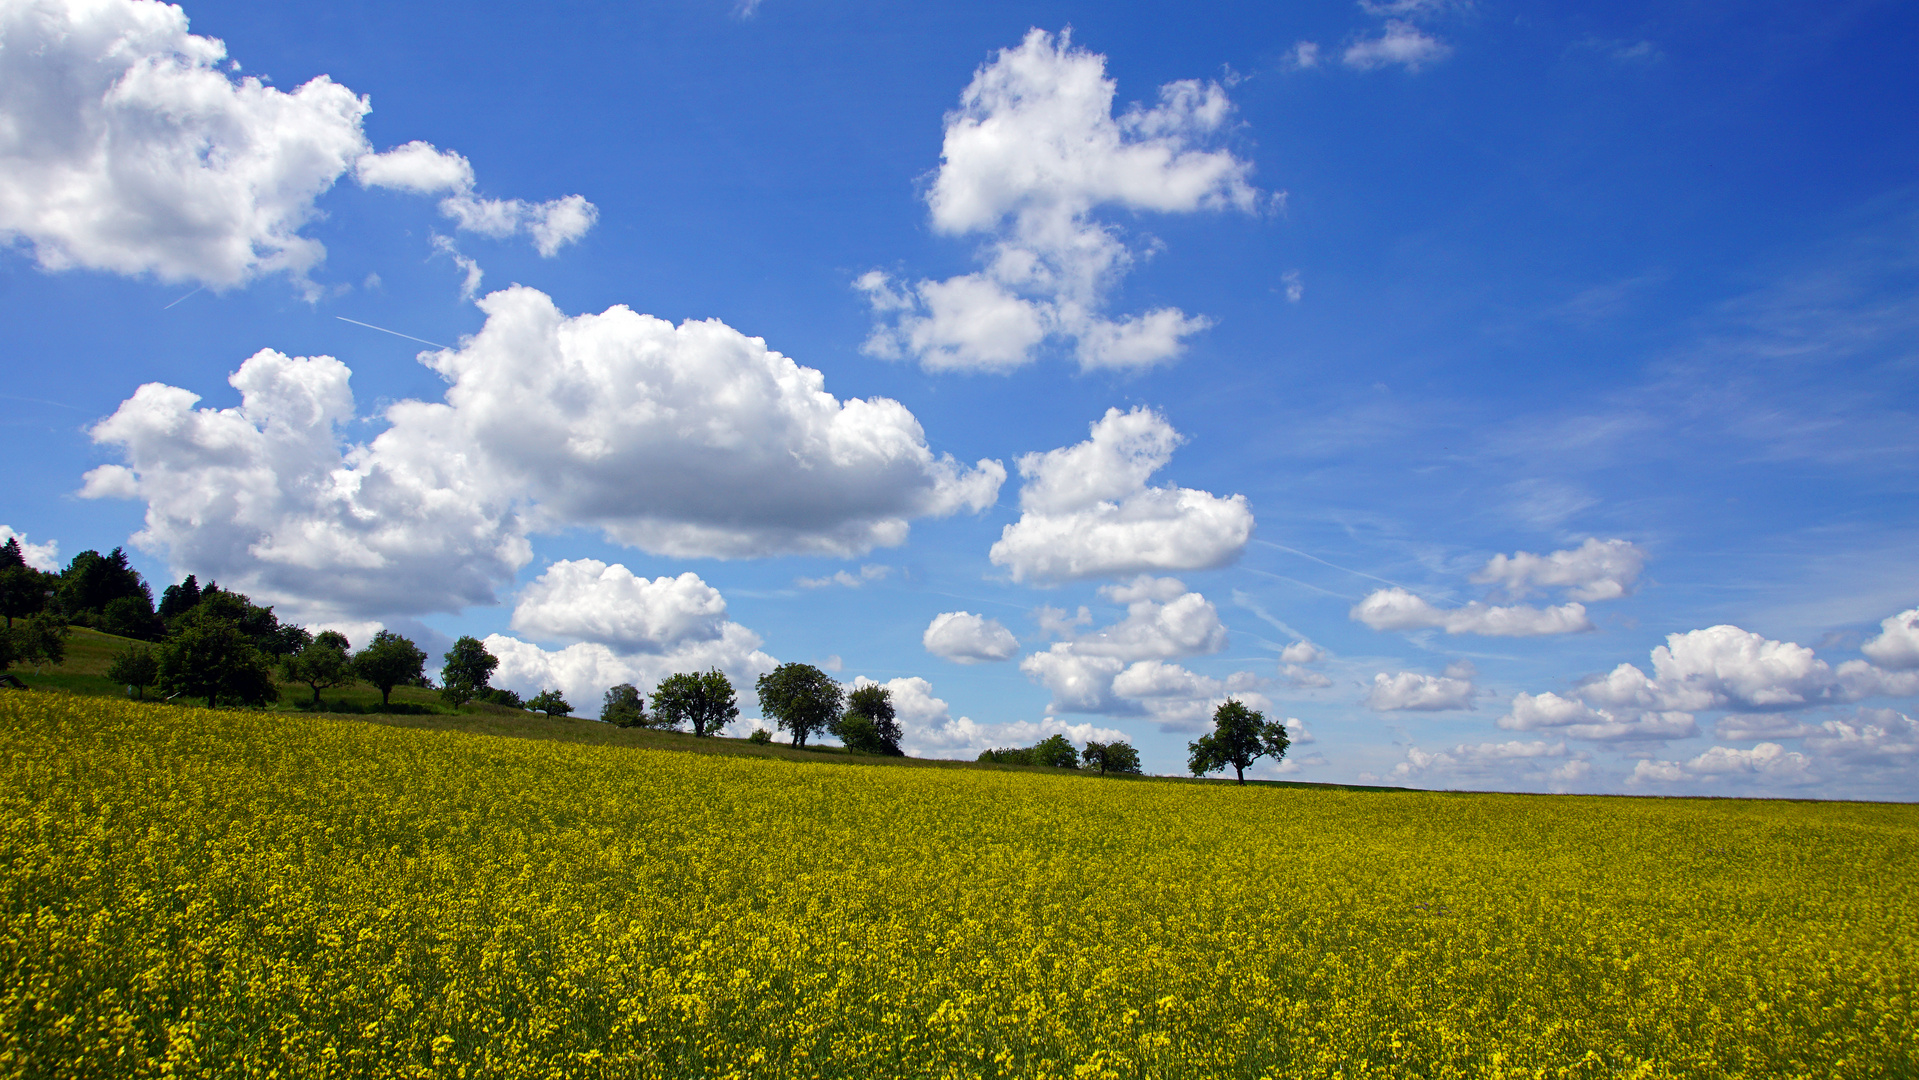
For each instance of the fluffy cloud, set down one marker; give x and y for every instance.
(1508, 764)
(623, 628)
(966, 638)
(1086, 510)
(688, 440)
(1768, 761)
(588, 600)
(1578, 720)
(1872, 739)
(1595, 570)
(1033, 151)
(420, 168)
(1720, 667)
(127, 146)
(1872, 752)
(931, 731)
(584, 670)
(267, 499)
(1400, 43)
(39, 556)
(1294, 665)
(1120, 669)
(1410, 691)
(1397, 609)
(1897, 645)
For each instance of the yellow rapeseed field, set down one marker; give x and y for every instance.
(193, 893)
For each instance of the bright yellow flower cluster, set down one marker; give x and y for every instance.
(193, 893)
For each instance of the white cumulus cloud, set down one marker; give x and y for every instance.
(269, 499)
(1121, 669)
(1410, 691)
(1086, 510)
(1896, 647)
(128, 146)
(1033, 151)
(687, 441)
(622, 628)
(1397, 609)
(966, 638)
(1595, 570)
(588, 600)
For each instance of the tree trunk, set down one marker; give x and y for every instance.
(316, 695)
(384, 691)
(1241, 771)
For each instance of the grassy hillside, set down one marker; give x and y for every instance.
(190, 892)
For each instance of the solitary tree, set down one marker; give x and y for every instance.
(323, 663)
(389, 661)
(703, 699)
(135, 669)
(870, 723)
(468, 667)
(1113, 757)
(623, 706)
(800, 698)
(551, 703)
(1240, 736)
(212, 656)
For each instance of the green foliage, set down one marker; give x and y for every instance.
(1055, 752)
(468, 667)
(1118, 756)
(801, 699)
(549, 702)
(1240, 736)
(871, 724)
(133, 617)
(497, 696)
(92, 581)
(179, 599)
(623, 706)
(389, 661)
(23, 590)
(137, 668)
(38, 639)
(760, 737)
(703, 699)
(210, 654)
(324, 663)
(860, 734)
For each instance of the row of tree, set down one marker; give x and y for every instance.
(219, 645)
(798, 698)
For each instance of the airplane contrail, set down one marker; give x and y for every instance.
(195, 292)
(395, 333)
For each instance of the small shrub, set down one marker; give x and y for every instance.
(760, 737)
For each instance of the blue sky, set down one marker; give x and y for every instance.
(1513, 397)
